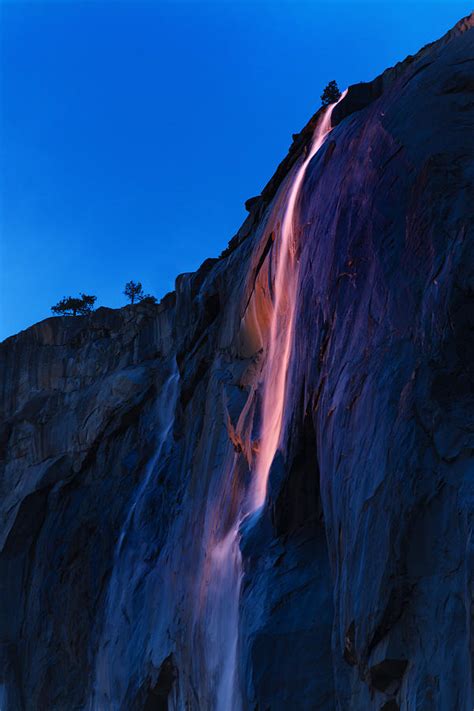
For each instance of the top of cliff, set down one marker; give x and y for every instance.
(358, 97)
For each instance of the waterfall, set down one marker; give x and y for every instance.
(222, 619)
(165, 418)
(282, 326)
(125, 567)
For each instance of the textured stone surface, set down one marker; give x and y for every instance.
(123, 452)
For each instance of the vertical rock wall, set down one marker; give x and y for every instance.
(128, 440)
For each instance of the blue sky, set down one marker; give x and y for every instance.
(133, 132)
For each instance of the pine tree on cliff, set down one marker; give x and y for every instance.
(88, 301)
(74, 306)
(133, 291)
(331, 93)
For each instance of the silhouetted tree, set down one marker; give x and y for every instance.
(72, 305)
(88, 301)
(133, 291)
(331, 93)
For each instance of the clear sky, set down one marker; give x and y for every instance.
(132, 132)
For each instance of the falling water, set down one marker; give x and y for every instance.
(164, 421)
(222, 620)
(224, 591)
(282, 325)
(124, 566)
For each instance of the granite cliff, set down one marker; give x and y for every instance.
(141, 565)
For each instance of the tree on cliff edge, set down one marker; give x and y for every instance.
(74, 306)
(331, 93)
(88, 301)
(133, 291)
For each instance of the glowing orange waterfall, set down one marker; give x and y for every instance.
(282, 326)
(223, 576)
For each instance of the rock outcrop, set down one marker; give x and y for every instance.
(129, 440)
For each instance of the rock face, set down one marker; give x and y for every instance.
(134, 574)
